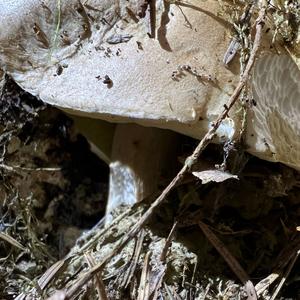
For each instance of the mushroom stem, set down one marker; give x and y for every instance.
(141, 157)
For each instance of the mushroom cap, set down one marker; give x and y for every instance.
(98, 59)
(273, 129)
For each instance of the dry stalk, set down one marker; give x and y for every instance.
(190, 161)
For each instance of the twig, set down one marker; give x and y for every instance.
(152, 4)
(191, 160)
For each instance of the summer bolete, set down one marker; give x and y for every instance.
(154, 63)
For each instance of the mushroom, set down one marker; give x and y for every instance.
(122, 62)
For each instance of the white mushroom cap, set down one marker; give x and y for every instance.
(273, 130)
(176, 80)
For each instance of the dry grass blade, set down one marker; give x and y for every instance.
(73, 290)
(134, 259)
(144, 288)
(36, 169)
(287, 254)
(11, 241)
(168, 292)
(265, 283)
(282, 281)
(52, 272)
(98, 279)
(231, 261)
(48, 276)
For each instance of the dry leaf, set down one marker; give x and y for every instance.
(213, 175)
